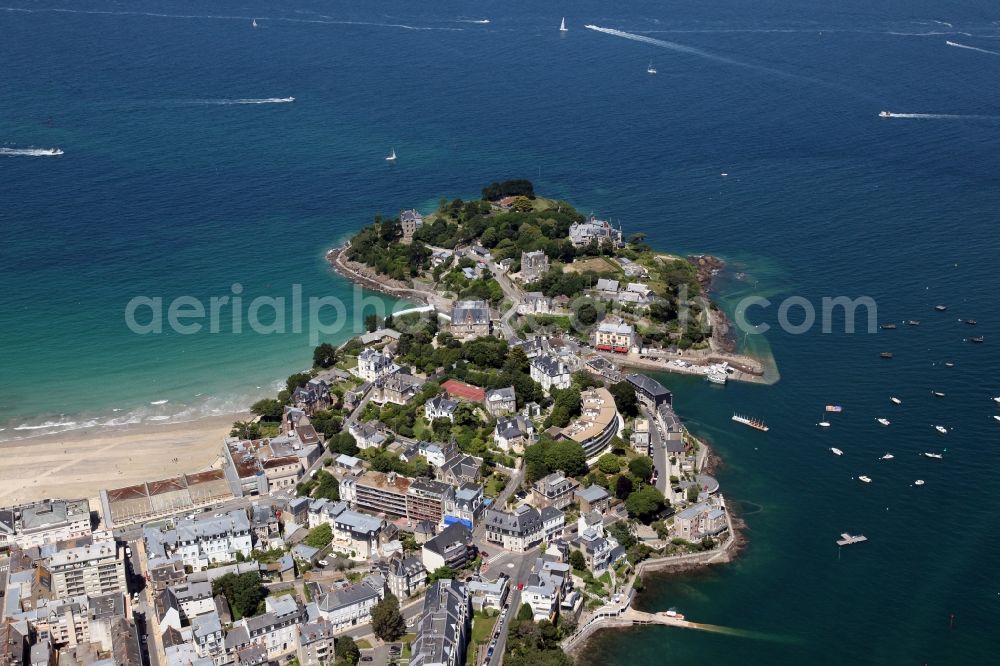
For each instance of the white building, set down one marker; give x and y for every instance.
(514, 433)
(374, 364)
(440, 407)
(550, 372)
(202, 542)
(276, 630)
(518, 531)
(349, 605)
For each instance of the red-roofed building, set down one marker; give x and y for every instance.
(463, 391)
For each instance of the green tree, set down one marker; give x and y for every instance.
(327, 487)
(623, 487)
(319, 536)
(246, 430)
(525, 612)
(346, 651)
(325, 355)
(625, 399)
(243, 592)
(441, 573)
(577, 560)
(387, 621)
(297, 380)
(268, 409)
(609, 463)
(644, 503)
(641, 468)
(692, 493)
(371, 322)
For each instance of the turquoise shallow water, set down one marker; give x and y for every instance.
(164, 190)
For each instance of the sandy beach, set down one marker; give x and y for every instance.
(79, 465)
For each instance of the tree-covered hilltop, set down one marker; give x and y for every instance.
(523, 222)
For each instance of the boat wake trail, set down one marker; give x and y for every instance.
(689, 50)
(972, 48)
(942, 116)
(30, 152)
(227, 102)
(746, 633)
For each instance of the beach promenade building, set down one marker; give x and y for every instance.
(204, 541)
(47, 521)
(157, 499)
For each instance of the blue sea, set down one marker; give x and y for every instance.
(183, 174)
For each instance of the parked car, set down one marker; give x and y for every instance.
(322, 563)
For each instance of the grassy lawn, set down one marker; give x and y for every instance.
(493, 487)
(347, 362)
(482, 631)
(407, 640)
(596, 264)
(422, 429)
(363, 644)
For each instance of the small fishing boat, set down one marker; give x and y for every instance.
(253, 24)
(887, 327)
(885, 114)
(937, 394)
(824, 424)
(977, 340)
(836, 451)
(913, 322)
(888, 456)
(918, 482)
(865, 479)
(562, 25)
(949, 364)
(970, 322)
(940, 308)
(884, 422)
(886, 354)
(849, 539)
(941, 429)
(650, 69)
(895, 400)
(935, 456)
(392, 156)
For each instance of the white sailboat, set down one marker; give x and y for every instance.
(562, 25)
(253, 24)
(650, 69)
(888, 456)
(392, 155)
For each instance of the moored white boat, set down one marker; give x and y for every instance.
(865, 479)
(895, 400)
(888, 456)
(392, 156)
(562, 25)
(882, 421)
(935, 456)
(836, 451)
(918, 482)
(941, 429)
(650, 69)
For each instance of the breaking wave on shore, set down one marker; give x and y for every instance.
(157, 412)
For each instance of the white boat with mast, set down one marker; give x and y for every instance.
(392, 156)
(253, 24)
(887, 456)
(935, 456)
(562, 25)
(650, 69)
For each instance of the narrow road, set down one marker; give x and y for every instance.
(660, 461)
